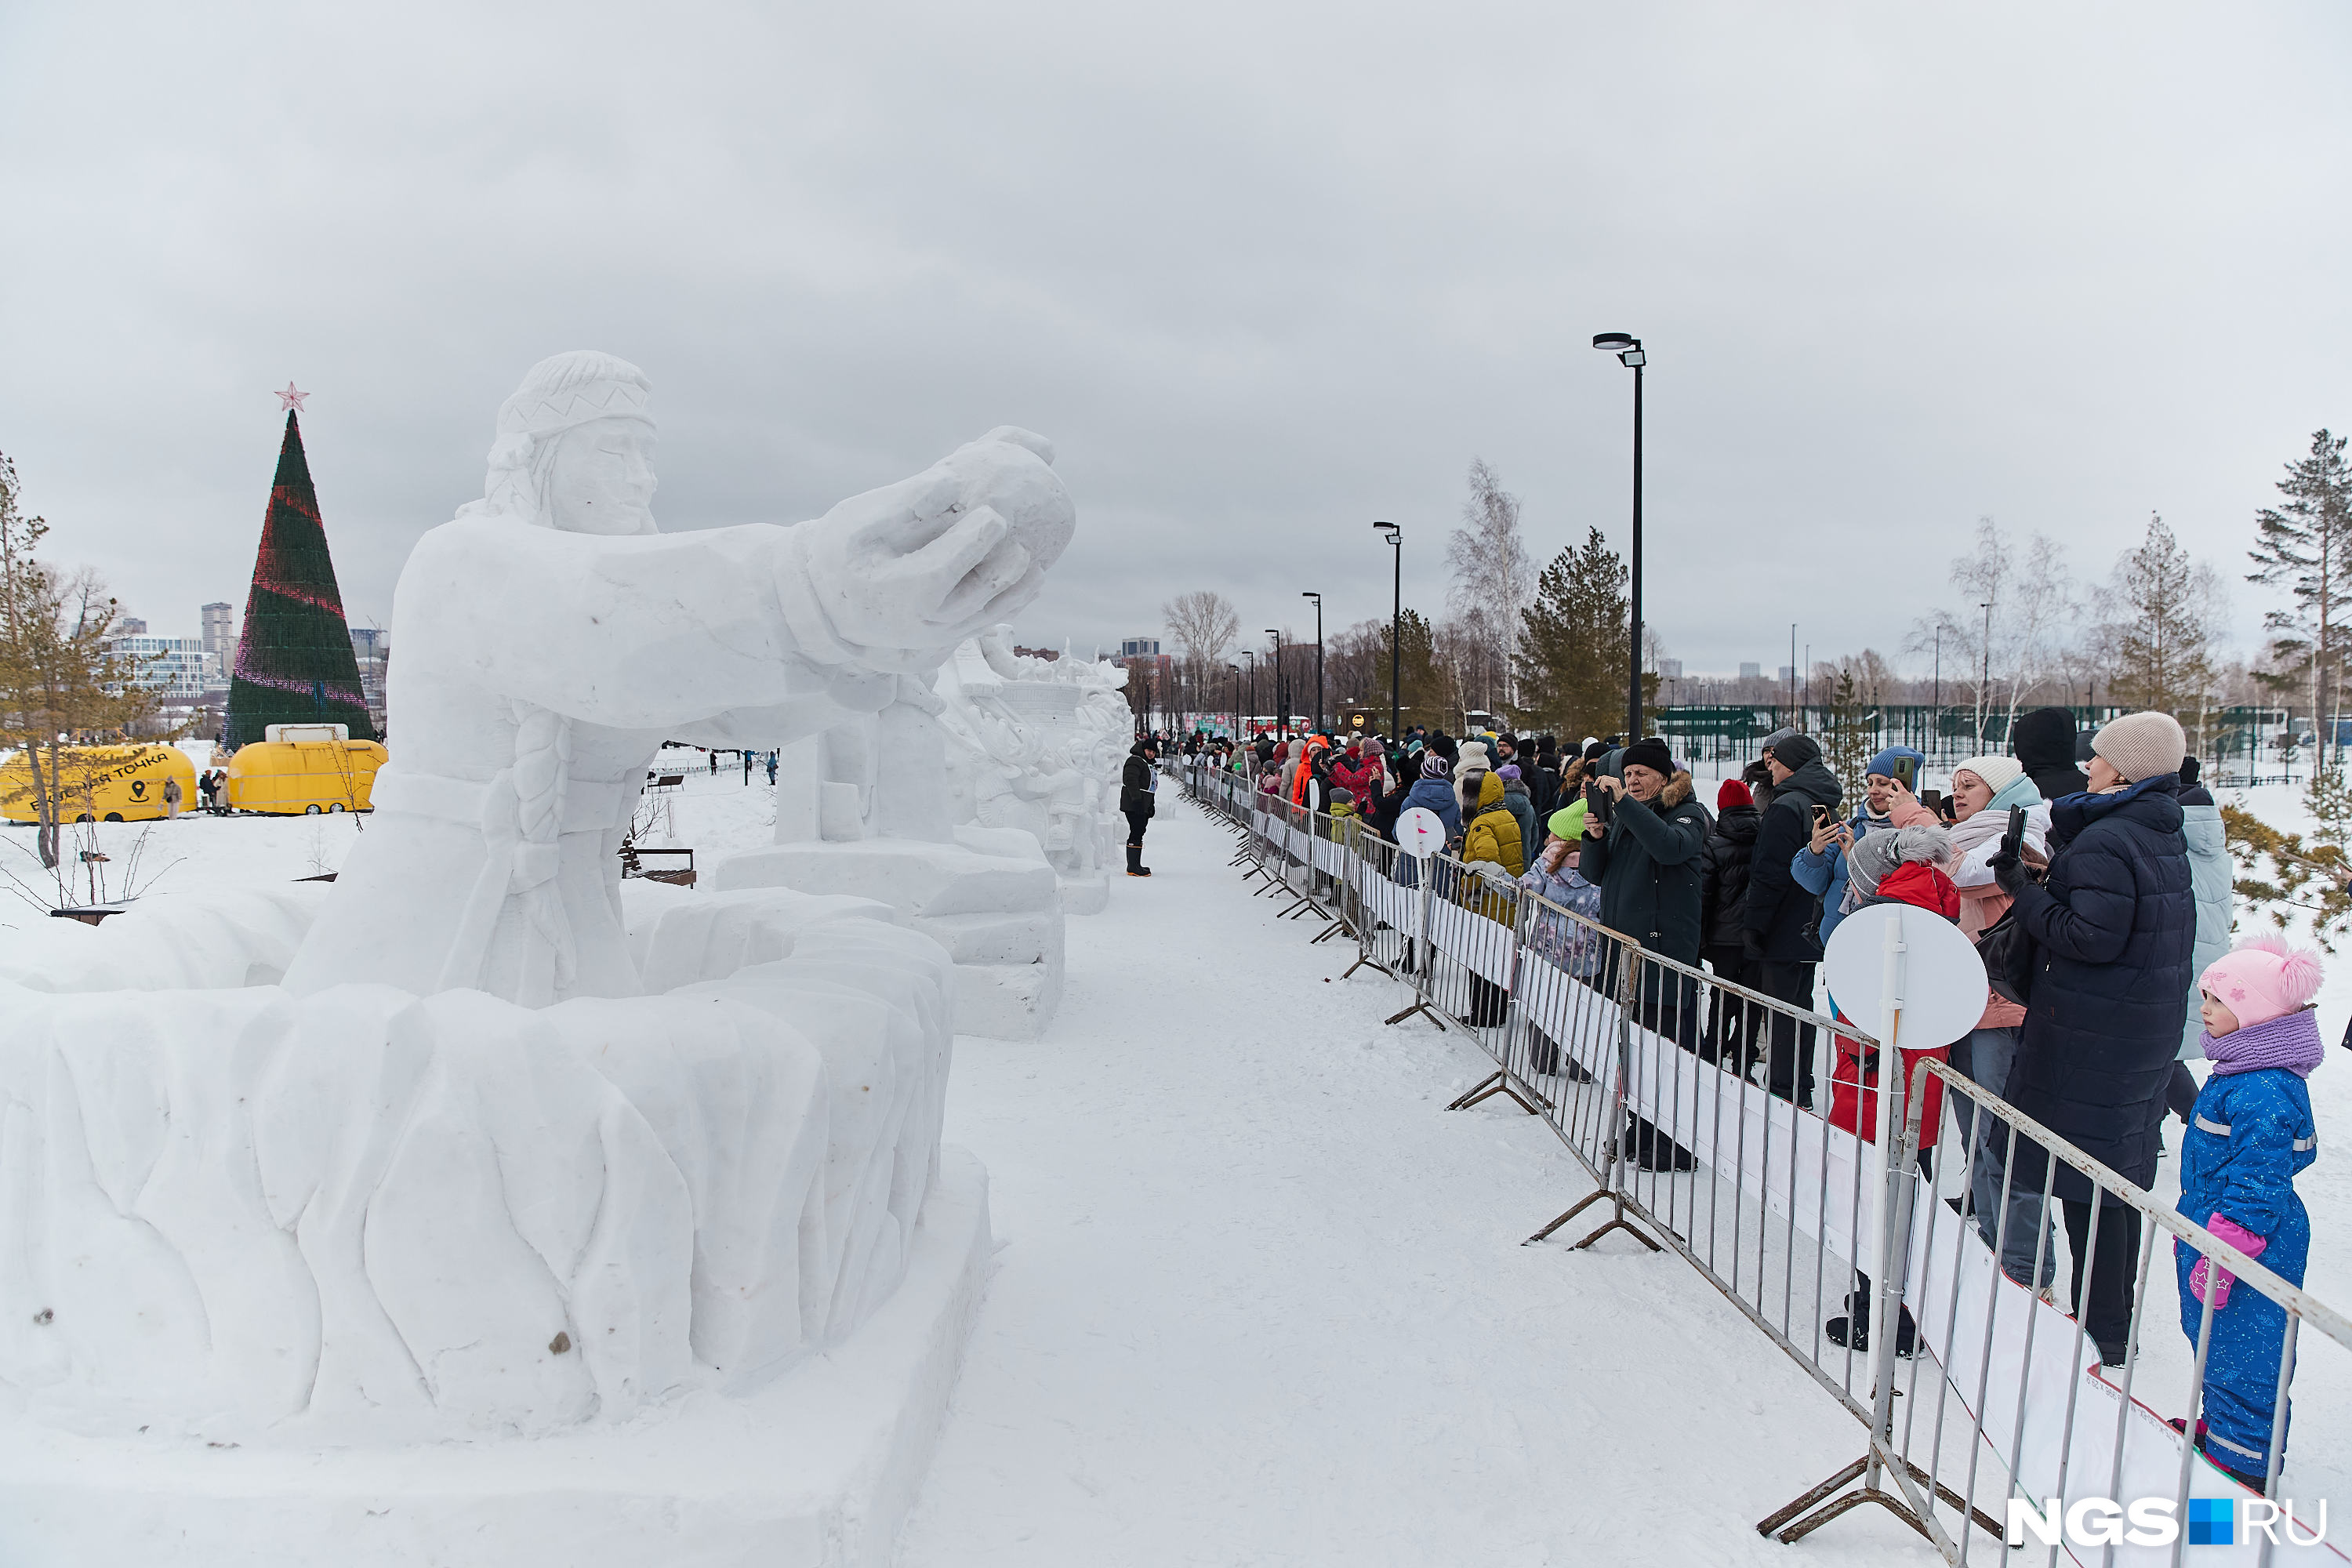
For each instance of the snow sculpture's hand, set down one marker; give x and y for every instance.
(895, 578)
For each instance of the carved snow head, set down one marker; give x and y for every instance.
(576, 448)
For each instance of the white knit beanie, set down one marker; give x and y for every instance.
(2142, 745)
(1470, 758)
(1997, 773)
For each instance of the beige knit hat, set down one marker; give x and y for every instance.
(2142, 745)
(1997, 773)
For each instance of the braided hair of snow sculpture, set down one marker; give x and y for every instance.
(553, 639)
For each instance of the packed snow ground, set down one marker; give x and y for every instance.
(1261, 1298)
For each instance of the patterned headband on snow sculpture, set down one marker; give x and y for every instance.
(573, 388)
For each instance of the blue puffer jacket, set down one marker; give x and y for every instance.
(1430, 795)
(1437, 796)
(2114, 926)
(2250, 1135)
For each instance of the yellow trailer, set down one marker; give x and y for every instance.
(293, 776)
(108, 783)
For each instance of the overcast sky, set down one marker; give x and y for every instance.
(1264, 273)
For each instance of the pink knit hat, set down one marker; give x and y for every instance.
(2262, 978)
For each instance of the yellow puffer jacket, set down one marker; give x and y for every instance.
(1494, 835)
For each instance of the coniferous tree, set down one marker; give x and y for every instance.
(2162, 646)
(294, 662)
(2306, 544)
(1422, 689)
(1572, 648)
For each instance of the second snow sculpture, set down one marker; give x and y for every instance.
(1037, 744)
(513, 1146)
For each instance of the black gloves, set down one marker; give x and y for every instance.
(2010, 872)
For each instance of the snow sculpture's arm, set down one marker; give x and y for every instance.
(780, 627)
(640, 633)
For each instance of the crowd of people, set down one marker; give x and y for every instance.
(2090, 869)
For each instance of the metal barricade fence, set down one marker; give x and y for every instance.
(1648, 1071)
(2034, 1423)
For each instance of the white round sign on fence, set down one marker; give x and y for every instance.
(1421, 832)
(1942, 980)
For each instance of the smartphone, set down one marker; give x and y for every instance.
(2013, 841)
(1596, 803)
(1820, 817)
(1907, 774)
(1933, 801)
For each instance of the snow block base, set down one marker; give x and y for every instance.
(1000, 916)
(818, 1469)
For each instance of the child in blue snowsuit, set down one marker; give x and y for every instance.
(2248, 1134)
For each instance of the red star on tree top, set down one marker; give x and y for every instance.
(289, 398)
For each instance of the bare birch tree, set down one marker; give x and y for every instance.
(1492, 583)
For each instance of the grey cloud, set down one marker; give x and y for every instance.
(1265, 274)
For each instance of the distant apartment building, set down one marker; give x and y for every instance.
(1751, 672)
(128, 627)
(371, 647)
(1139, 648)
(177, 669)
(219, 631)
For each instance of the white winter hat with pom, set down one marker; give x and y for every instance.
(2262, 978)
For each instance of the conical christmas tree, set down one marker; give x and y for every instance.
(294, 663)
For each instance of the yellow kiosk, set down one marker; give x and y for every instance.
(303, 768)
(100, 783)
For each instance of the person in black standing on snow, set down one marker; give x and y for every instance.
(1780, 931)
(1645, 860)
(1723, 905)
(1138, 785)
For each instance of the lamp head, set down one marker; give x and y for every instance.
(1624, 345)
(1393, 530)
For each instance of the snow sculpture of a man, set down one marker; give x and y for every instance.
(553, 639)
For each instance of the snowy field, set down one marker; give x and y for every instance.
(1259, 1299)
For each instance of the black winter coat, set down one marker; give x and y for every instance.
(1723, 874)
(2115, 926)
(1135, 784)
(1785, 917)
(1545, 787)
(1646, 865)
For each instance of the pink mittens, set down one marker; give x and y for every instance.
(2208, 1282)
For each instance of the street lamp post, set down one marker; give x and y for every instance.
(1936, 734)
(1628, 350)
(1251, 654)
(1237, 702)
(1318, 660)
(1396, 631)
(1984, 682)
(1281, 700)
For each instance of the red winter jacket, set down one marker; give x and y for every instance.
(1355, 773)
(1856, 1079)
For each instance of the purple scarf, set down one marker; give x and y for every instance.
(2291, 1041)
